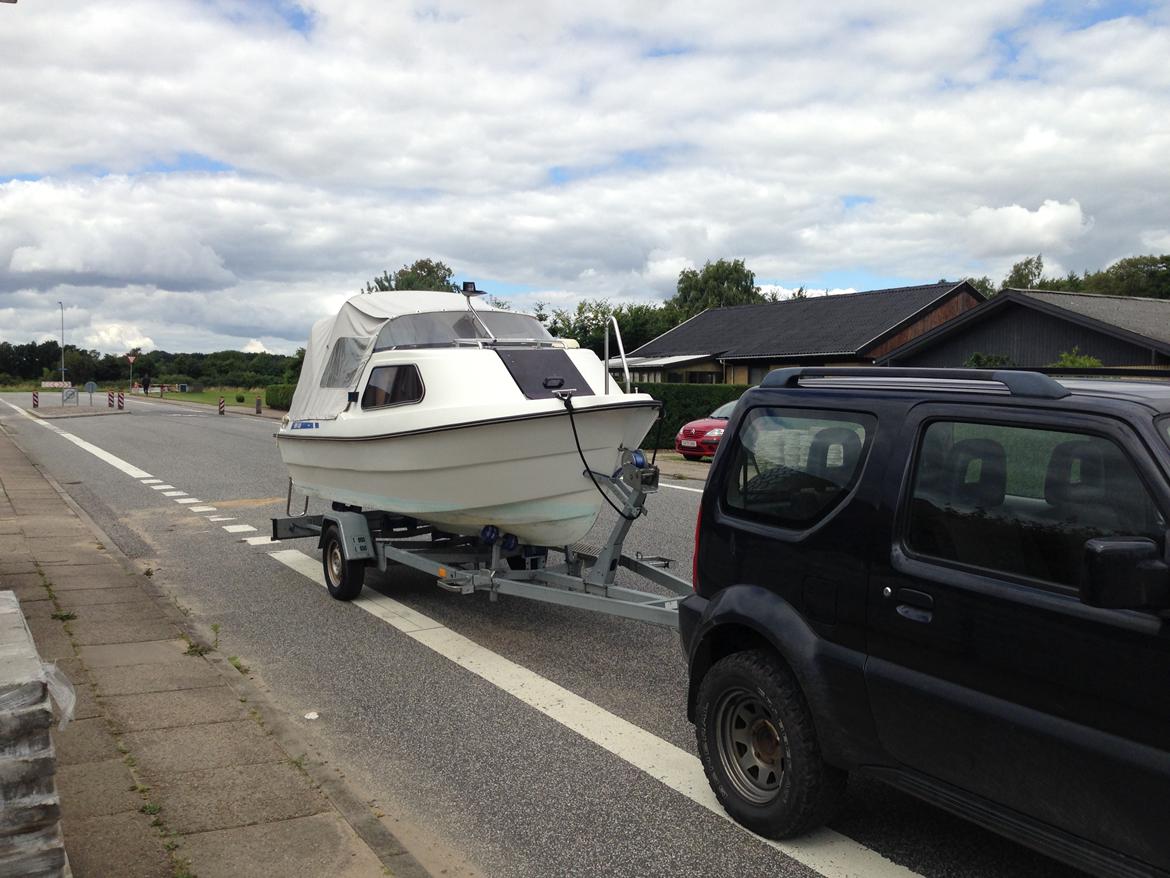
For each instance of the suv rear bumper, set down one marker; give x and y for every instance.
(690, 614)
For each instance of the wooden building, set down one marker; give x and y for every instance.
(1034, 327)
(741, 345)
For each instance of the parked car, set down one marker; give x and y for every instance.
(954, 581)
(699, 439)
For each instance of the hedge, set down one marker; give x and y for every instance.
(686, 402)
(279, 396)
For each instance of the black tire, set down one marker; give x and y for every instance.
(343, 578)
(750, 701)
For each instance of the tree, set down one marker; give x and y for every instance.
(720, 284)
(422, 274)
(1025, 274)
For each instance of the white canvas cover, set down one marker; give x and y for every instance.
(339, 346)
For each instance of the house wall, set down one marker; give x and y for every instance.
(964, 301)
(1029, 338)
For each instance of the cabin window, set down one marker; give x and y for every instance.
(392, 385)
(346, 360)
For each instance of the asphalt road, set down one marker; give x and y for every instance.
(448, 744)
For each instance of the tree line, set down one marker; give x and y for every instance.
(39, 361)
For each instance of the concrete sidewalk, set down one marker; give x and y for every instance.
(170, 767)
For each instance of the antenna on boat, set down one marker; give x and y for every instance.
(469, 290)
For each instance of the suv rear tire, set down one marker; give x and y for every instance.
(759, 747)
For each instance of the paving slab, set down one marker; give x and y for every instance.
(84, 740)
(323, 844)
(93, 596)
(151, 652)
(241, 795)
(87, 633)
(131, 679)
(166, 710)
(125, 612)
(161, 752)
(93, 789)
(117, 846)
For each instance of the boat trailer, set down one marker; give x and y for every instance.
(464, 564)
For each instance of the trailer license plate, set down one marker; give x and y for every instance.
(689, 443)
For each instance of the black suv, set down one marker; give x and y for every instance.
(951, 580)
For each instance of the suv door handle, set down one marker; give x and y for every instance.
(916, 606)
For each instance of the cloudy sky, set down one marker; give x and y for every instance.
(215, 174)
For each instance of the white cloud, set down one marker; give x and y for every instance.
(576, 150)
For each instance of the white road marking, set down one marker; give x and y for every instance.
(238, 528)
(828, 852)
(188, 500)
(174, 493)
(220, 518)
(161, 487)
(151, 481)
(101, 454)
(203, 509)
(260, 541)
(681, 488)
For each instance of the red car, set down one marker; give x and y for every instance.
(700, 438)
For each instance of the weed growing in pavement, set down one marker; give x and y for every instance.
(64, 616)
(234, 661)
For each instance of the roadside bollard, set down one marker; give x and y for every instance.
(110, 399)
(257, 405)
(221, 405)
(36, 400)
(121, 399)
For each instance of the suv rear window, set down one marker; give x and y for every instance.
(1024, 500)
(793, 467)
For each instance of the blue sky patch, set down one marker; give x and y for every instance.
(187, 162)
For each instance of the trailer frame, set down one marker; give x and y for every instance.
(468, 564)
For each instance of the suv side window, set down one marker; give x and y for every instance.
(793, 467)
(1023, 500)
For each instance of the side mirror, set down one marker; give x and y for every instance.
(1124, 573)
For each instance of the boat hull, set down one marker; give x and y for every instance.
(522, 474)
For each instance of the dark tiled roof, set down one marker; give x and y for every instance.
(1149, 318)
(842, 324)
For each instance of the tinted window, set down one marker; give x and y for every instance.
(793, 467)
(1022, 500)
(392, 385)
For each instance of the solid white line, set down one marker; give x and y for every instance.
(174, 493)
(220, 518)
(202, 509)
(681, 488)
(101, 454)
(186, 500)
(238, 528)
(828, 852)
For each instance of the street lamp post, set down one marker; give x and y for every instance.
(62, 306)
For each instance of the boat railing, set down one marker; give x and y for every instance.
(621, 350)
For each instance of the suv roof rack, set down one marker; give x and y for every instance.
(1017, 383)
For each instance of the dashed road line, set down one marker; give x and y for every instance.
(826, 851)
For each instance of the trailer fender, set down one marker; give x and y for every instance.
(356, 541)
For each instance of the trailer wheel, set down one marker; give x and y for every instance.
(759, 747)
(343, 578)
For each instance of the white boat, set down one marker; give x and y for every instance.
(419, 404)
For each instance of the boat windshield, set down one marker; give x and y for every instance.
(447, 328)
